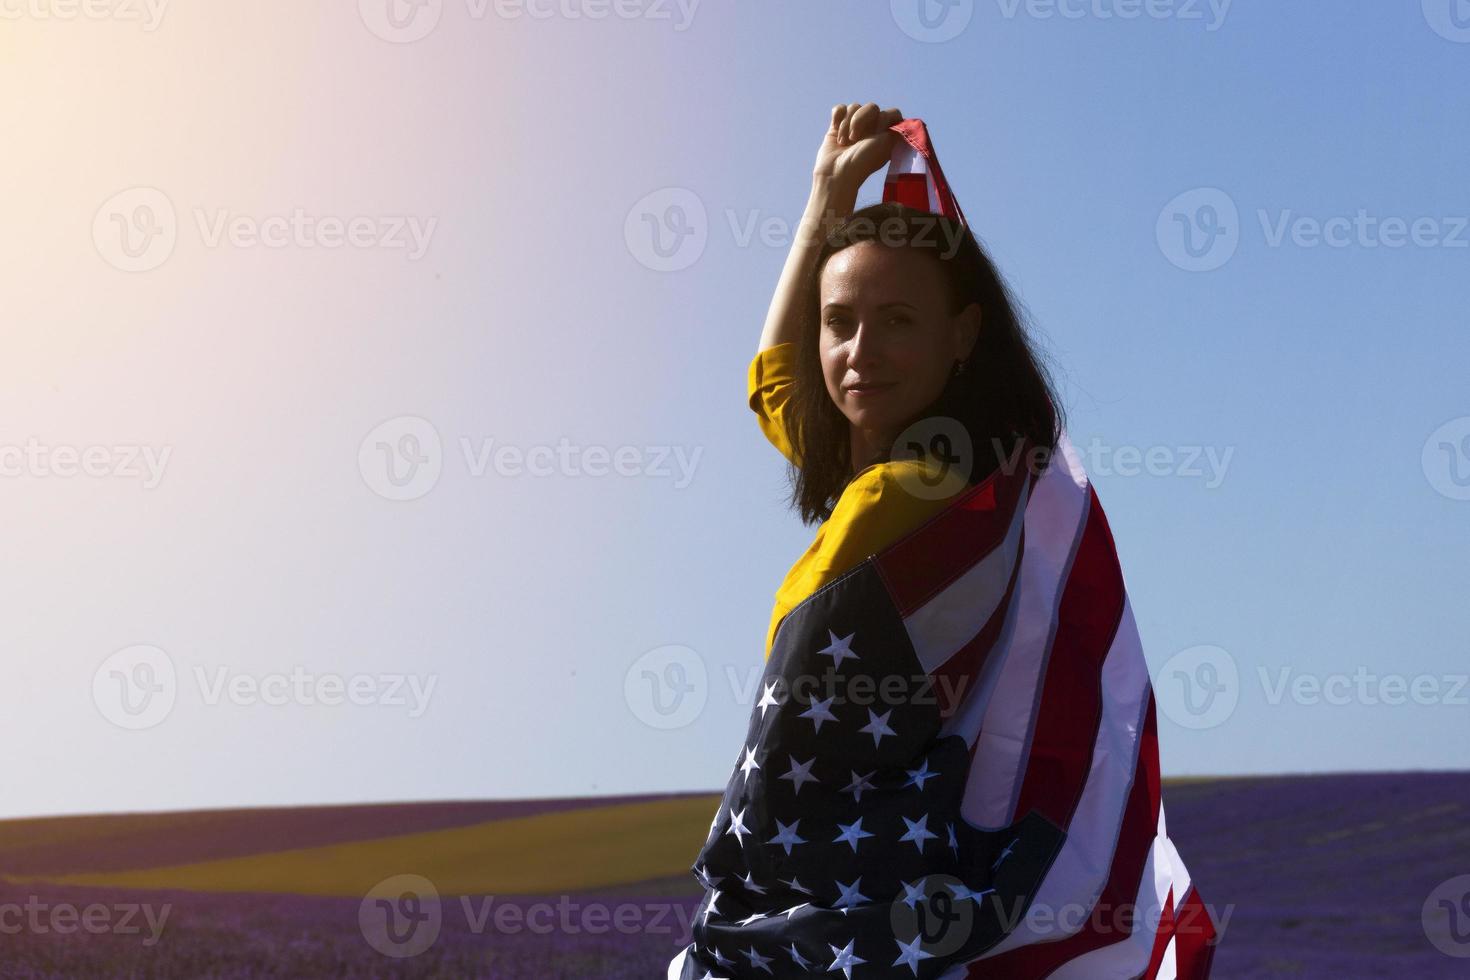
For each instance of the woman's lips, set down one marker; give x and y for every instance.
(868, 390)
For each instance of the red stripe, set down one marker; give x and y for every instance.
(919, 565)
(1106, 925)
(916, 134)
(952, 679)
(1065, 730)
(1195, 939)
(907, 189)
(1161, 937)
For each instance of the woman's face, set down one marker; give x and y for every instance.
(888, 342)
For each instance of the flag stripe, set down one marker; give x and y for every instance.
(956, 675)
(1071, 699)
(1194, 938)
(1026, 952)
(1054, 518)
(914, 155)
(1163, 944)
(952, 543)
(909, 189)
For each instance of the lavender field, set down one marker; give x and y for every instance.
(1307, 876)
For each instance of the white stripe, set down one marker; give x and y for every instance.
(1081, 869)
(946, 622)
(676, 965)
(1169, 965)
(1128, 958)
(1007, 691)
(905, 160)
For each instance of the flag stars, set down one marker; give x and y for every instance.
(838, 649)
(801, 773)
(846, 959)
(1005, 853)
(851, 833)
(918, 832)
(910, 955)
(751, 918)
(858, 784)
(768, 699)
(737, 824)
(751, 884)
(797, 958)
(749, 763)
(963, 892)
(918, 776)
(796, 886)
(714, 898)
(786, 835)
(757, 961)
(848, 895)
(954, 845)
(819, 712)
(877, 726)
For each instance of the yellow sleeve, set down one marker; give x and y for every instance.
(769, 384)
(877, 508)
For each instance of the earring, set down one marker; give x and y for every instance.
(959, 369)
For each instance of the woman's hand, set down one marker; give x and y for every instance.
(857, 143)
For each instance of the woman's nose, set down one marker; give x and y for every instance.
(864, 347)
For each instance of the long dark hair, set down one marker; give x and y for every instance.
(1005, 392)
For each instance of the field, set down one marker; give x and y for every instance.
(1308, 876)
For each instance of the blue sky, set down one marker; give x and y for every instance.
(1315, 353)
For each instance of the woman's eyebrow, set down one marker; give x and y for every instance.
(881, 306)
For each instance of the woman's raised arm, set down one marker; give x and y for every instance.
(858, 142)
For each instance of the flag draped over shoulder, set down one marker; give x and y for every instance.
(952, 768)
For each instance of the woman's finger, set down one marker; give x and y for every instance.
(862, 123)
(844, 133)
(838, 112)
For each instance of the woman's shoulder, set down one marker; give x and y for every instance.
(901, 485)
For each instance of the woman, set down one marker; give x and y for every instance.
(955, 743)
(862, 340)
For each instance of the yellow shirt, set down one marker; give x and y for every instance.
(874, 510)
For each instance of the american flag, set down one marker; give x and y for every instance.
(952, 769)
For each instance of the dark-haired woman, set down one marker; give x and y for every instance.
(961, 541)
(883, 318)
